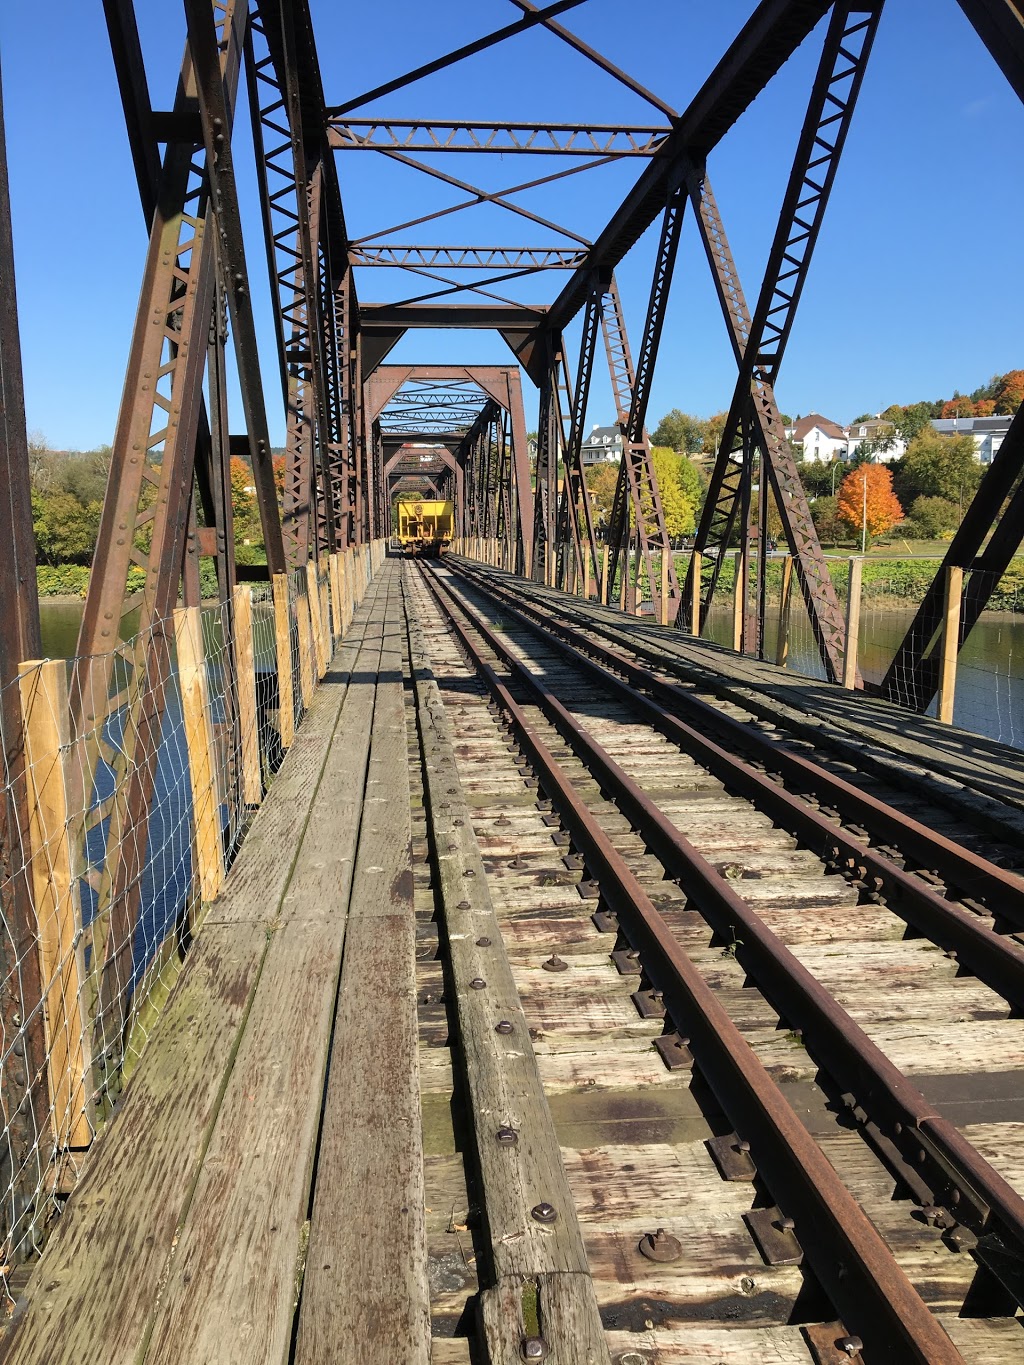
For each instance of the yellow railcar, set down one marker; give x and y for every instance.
(424, 526)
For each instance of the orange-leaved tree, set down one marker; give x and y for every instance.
(866, 502)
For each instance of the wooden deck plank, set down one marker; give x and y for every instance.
(89, 1299)
(365, 1291)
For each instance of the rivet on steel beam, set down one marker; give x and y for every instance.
(544, 1213)
(507, 1137)
(477, 984)
(555, 964)
(504, 1026)
(660, 1246)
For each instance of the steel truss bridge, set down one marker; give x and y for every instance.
(361, 428)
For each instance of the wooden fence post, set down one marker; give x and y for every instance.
(316, 624)
(248, 717)
(202, 763)
(302, 623)
(336, 625)
(325, 610)
(695, 585)
(739, 594)
(785, 605)
(283, 640)
(47, 734)
(952, 594)
(852, 623)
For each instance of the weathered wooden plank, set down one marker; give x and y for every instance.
(283, 649)
(245, 671)
(195, 705)
(231, 1287)
(366, 1285)
(89, 1300)
(56, 897)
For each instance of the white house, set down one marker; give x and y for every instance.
(822, 439)
(987, 432)
(603, 444)
(874, 429)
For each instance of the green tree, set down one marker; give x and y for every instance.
(680, 431)
(826, 521)
(65, 529)
(932, 518)
(938, 466)
(679, 507)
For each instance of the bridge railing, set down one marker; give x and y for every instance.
(108, 870)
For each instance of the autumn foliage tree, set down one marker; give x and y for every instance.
(866, 502)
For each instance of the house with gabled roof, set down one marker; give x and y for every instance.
(821, 438)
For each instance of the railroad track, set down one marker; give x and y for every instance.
(732, 992)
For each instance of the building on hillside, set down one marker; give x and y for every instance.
(821, 438)
(987, 432)
(603, 444)
(875, 429)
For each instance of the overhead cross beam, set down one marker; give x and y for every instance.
(551, 139)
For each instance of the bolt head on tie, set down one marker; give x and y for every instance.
(660, 1246)
(463, 905)
(555, 964)
(477, 984)
(483, 943)
(534, 1348)
(504, 1026)
(851, 1345)
(506, 1137)
(544, 1213)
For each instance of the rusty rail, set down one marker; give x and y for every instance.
(919, 1145)
(852, 1261)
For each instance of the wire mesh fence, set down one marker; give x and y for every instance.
(130, 781)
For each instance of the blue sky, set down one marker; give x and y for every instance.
(916, 288)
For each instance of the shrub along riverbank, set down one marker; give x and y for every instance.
(896, 583)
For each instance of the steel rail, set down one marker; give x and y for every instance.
(840, 1044)
(966, 873)
(854, 1264)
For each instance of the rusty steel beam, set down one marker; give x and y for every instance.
(551, 139)
(388, 317)
(397, 254)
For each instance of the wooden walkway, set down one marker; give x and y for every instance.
(198, 1216)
